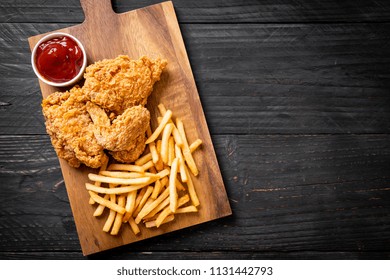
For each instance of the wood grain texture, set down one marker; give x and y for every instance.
(152, 31)
(324, 193)
(204, 11)
(252, 79)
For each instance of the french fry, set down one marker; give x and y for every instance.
(177, 137)
(183, 173)
(164, 142)
(139, 197)
(159, 208)
(152, 147)
(97, 184)
(160, 184)
(112, 196)
(158, 146)
(130, 201)
(191, 190)
(175, 132)
(149, 131)
(190, 161)
(119, 181)
(125, 167)
(153, 151)
(163, 173)
(134, 226)
(127, 216)
(186, 209)
(186, 150)
(153, 172)
(120, 190)
(167, 211)
(160, 127)
(118, 218)
(148, 165)
(153, 223)
(183, 200)
(179, 185)
(196, 144)
(156, 189)
(147, 203)
(91, 201)
(124, 175)
(144, 159)
(110, 220)
(146, 210)
(164, 182)
(143, 200)
(171, 150)
(162, 109)
(159, 164)
(107, 203)
(111, 216)
(172, 186)
(99, 210)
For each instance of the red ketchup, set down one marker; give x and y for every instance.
(59, 59)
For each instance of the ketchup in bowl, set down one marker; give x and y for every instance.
(59, 59)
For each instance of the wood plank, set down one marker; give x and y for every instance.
(255, 109)
(204, 11)
(280, 52)
(252, 79)
(318, 193)
(152, 31)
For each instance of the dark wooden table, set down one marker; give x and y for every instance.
(297, 98)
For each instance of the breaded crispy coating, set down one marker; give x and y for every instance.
(130, 155)
(121, 83)
(120, 134)
(71, 129)
(106, 115)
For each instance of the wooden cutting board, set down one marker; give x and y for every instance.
(151, 31)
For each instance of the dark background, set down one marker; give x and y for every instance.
(296, 96)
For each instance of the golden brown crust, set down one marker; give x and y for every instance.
(121, 83)
(133, 153)
(107, 113)
(122, 132)
(70, 128)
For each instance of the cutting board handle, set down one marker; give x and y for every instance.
(96, 8)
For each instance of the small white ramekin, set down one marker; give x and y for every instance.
(64, 84)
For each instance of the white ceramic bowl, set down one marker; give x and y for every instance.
(63, 84)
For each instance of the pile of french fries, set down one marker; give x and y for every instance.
(153, 189)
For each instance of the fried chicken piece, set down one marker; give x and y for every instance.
(70, 128)
(126, 133)
(107, 113)
(120, 83)
(133, 153)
